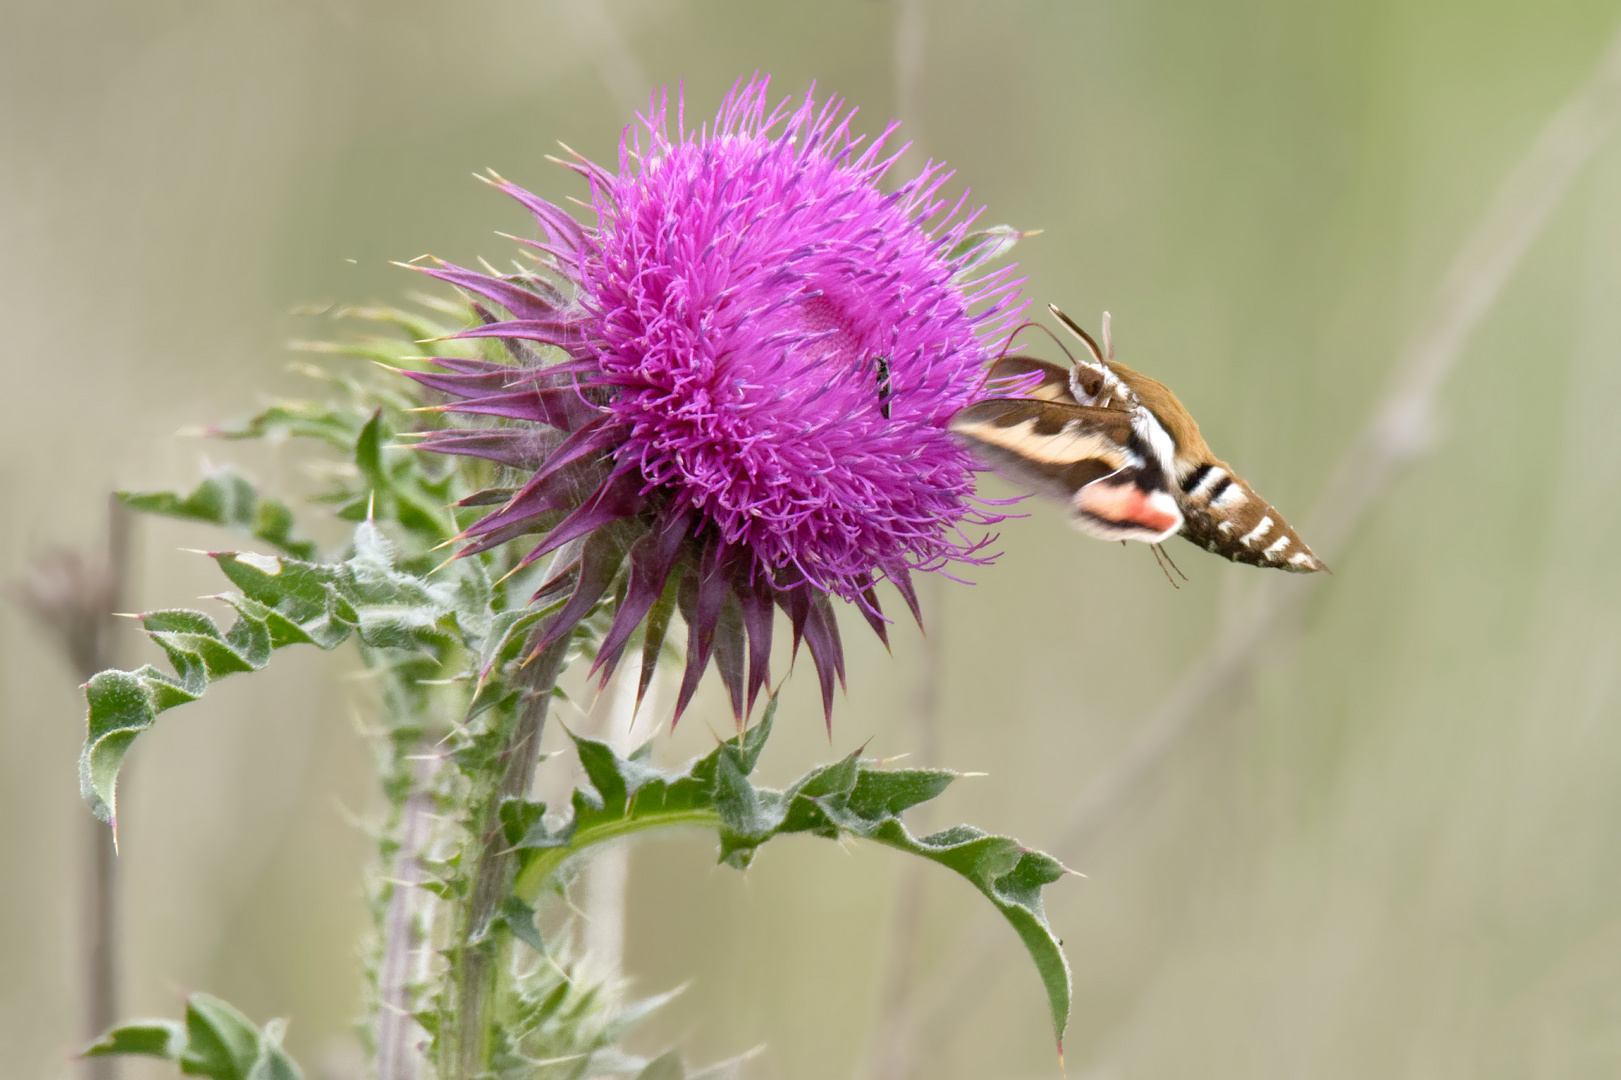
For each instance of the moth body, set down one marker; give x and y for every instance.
(1121, 450)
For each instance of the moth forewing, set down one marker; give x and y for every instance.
(1051, 447)
(1092, 458)
(1027, 377)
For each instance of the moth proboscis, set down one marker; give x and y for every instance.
(1123, 453)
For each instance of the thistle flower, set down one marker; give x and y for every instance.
(762, 352)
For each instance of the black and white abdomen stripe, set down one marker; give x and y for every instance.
(1222, 514)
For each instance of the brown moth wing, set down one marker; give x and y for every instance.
(1050, 447)
(1088, 457)
(1012, 372)
(1223, 514)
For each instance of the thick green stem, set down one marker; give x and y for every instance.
(477, 963)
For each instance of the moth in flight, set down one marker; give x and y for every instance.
(1121, 450)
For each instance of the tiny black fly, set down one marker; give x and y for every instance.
(883, 385)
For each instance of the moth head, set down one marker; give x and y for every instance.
(1094, 381)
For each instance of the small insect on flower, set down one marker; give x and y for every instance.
(691, 399)
(1123, 452)
(882, 363)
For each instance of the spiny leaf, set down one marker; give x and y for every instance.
(216, 1041)
(851, 797)
(1010, 876)
(283, 602)
(225, 498)
(336, 427)
(520, 921)
(220, 1041)
(149, 1038)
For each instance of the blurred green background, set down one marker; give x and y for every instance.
(1394, 851)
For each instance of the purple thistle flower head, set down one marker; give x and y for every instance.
(763, 351)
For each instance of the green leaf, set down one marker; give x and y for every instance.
(518, 817)
(220, 1041)
(851, 797)
(216, 1041)
(520, 920)
(298, 419)
(283, 602)
(1010, 876)
(225, 498)
(150, 1038)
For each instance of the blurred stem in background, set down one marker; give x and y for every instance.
(75, 598)
(1397, 434)
(406, 949)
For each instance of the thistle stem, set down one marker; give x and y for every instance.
(478, 952)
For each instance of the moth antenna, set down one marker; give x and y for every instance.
(1172, 561)
(1073, 327)
(1159, 560)
(1022, 327)
(1108, 341)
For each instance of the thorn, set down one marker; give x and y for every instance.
(499, 580)
(371, 505)
(112, 823)
(125, 615)
(198, 551)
